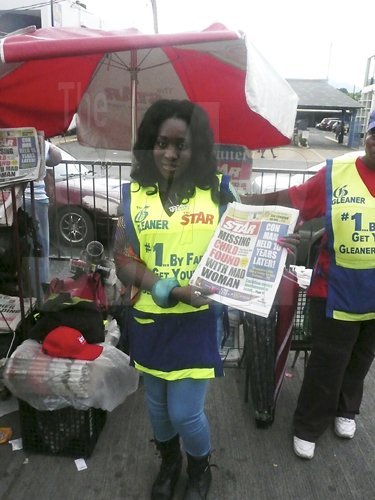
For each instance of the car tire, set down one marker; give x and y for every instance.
(74, 227)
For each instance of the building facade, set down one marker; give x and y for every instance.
(367, 95)
(18, 14)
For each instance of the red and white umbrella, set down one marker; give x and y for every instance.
(109, 78)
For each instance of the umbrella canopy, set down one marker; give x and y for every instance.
(111, 77)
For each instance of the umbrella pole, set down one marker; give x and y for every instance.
(133, 85)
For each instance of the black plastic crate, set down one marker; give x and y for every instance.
(67, 432)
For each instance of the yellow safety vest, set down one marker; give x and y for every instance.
(177, 342)
(351, 241)
(172, 246)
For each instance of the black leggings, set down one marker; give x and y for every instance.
(341, 356)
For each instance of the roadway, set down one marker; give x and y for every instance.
(322, 145)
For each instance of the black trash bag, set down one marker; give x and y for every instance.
(8, 255)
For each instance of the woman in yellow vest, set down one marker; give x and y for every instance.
(171, 210)
(342, 293)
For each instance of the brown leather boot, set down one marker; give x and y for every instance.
(170, 469)
(200, 476)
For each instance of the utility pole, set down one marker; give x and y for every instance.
(52, 19)
(155, 15)
(329, 60)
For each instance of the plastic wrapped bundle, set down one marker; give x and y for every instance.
(49, 383)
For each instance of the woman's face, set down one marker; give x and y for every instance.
(172, 150)
(370, 148)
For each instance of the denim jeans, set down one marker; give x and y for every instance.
(42, 232)
(177, 406)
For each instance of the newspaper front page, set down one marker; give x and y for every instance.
(10, 311)
(22, 159)
(20, 155)
(244, 262)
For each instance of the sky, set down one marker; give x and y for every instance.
(301, 39)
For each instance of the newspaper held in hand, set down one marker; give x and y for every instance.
(10, 311)
(243, 260)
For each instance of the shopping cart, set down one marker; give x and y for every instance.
(301, 330)
(267, 345)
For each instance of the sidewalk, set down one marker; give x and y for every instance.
(322, 145)
(293, 154)
(252, 463)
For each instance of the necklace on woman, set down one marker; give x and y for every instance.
(172, 199)
(171, 202)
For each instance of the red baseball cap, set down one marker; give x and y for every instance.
(66, 342)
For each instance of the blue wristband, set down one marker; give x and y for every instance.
(161, 292)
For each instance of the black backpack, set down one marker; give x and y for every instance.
(8, 256)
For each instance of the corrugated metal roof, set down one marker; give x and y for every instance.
(319, 94)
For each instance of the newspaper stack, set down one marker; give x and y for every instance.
(50, 383)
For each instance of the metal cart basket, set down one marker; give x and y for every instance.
(301, 330)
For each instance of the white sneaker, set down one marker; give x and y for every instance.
(345, 427)
(302, 448)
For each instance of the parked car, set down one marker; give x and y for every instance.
(323, 124)
(312, 231)
(331, 124)
(84, 205)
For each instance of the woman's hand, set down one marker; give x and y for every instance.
(290, 242)
(193, 295)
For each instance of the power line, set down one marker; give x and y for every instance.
(34, 6)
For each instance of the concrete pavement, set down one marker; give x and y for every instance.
(322, 145)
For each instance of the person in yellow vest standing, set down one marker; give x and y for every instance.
(170, 212)
(342, 293)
